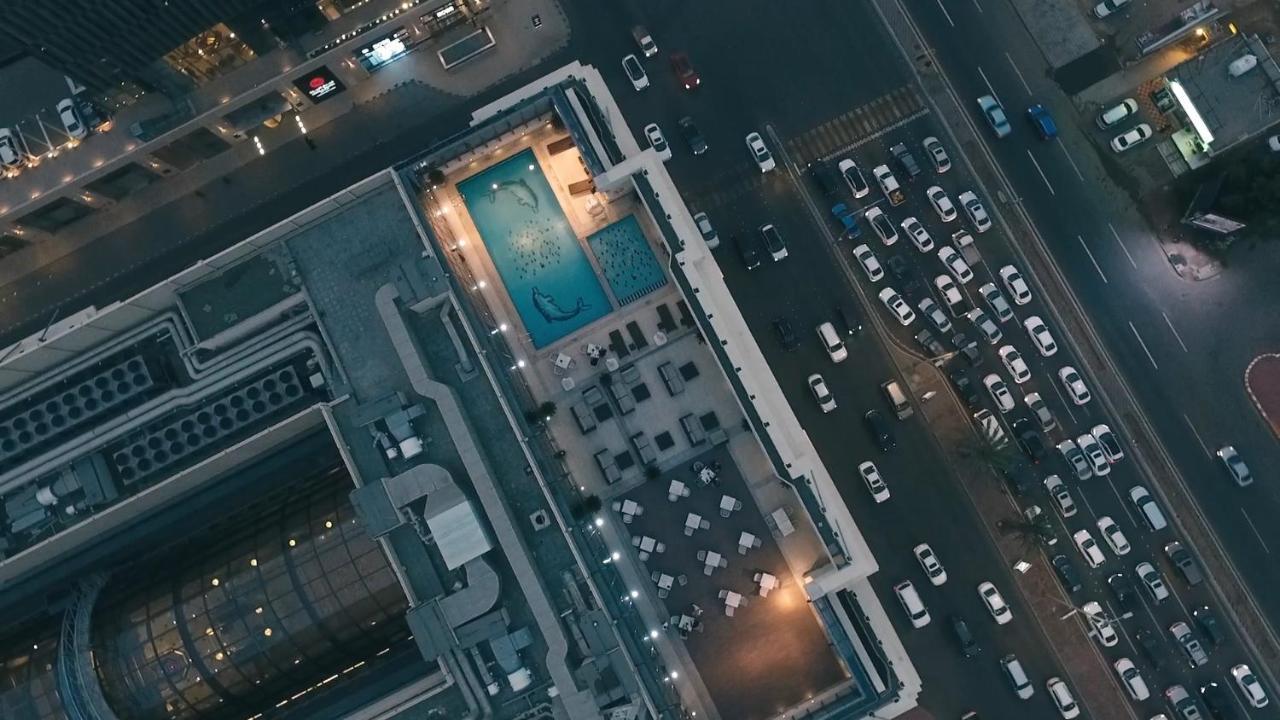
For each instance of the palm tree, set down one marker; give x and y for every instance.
(1001, 458)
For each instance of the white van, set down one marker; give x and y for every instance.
(1013, 670)
(898, 399)
(832, 343)
(912, 603)
(1116, 113)
(1147, 508)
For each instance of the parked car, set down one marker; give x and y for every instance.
(1249, 685)
(1067, 572)
(1151, 580)
(1040, 411)
(1088, 547)
(942, 204)
(71, 120)
(964, 637)
(657, 141)
(1111, 116)
(1017, 676)
(1186, 564)
(786, 333)
(1076, 459)
(874, 481)
(821, 393)
(11, 156)
(760, 152)
(996, 302)
(1109, 7)
(748, 250)
(635, 72)
(1182, 702)
(866, 257)
(1207, 622)
(1016, 285)
(853, 176)
(937, 154)
(1102, 627)
(880, 431)
(1136, 135)
(1131, 679)
(964, 388)
(1074, 385)
(911, 603)
(644, 41)
(995, 603)
(825, 177)
(1113, 536)
(1061, 496)
(708, 233)
(930, 563)
(974, 209)
(683, 69)
(1109, 442)
(1062, 698)
(1122, 587)
(1196, 655)
(692, 136)
(773, 242)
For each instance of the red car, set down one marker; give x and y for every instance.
(684, 71)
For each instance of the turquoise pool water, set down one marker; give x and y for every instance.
(547, 274)
(627, 260)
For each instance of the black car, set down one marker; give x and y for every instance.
(1028, 439)
(748, 250)
(1067, 573)
(968, 348)
(1017, 479)
(965, 388)
(907, 162)
(827, 179)
(898, 267)
(786, 333)
(880, 430)
(849, 321)
(692, 136)
(1208, 624)
(930, 343)
(1149, 646)
(968, 644)
(1219, 703)
(1122, 587)
(1186, 564)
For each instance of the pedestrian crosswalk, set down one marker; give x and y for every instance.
(860, 125)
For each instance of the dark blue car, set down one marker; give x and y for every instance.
(1043, 122)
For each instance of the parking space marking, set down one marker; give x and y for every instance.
(1043, 177)
(1092, 259)
(1144, 346)
(946, 14)
(1116, 235)
(1199, 439)
(990, 89)
(1174, 330)
(1069, 160)
(1256, 534)
(1018, 72)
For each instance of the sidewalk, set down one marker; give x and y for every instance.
(418, 76)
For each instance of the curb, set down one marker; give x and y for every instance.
(1257, 404)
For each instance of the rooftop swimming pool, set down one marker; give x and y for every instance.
(627, 260)
(542, 264)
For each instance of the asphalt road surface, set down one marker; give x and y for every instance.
(1183, 346)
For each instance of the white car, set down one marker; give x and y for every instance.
(1235, 465)
(635, 72)
(1132, 679)
(1062, 698)
(1074, 384)
(955, 264)
(911, 604)
(1093, 451)
(897, 306)
(71, 120)
(937, 154)
(881, 224)
(875, 484)
(1103, 628)
(1016, 285)
(1076, 459)
(1089, 548)
(853, 175)
(831, 342)
(826, 401)
(930, 563)
(657, 141)
(1040, 336)
(1134, 136)
(1249, 686)
(760, 152)
(994, 115)
(995, 603)
(1151, 580)
(949, 291)
(919, 236)
(1109, 442)
(1107, 7)
(977, 213)
(1013, 361)
(1061, 496)
(1112, 534)
(10, 156)
(869, 262)
(709, 234)
(985, 325)
(1040, 410)
(996, 302)
(999, 392)
(934, 312)
(941, 203)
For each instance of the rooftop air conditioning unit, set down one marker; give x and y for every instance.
(1242, 65)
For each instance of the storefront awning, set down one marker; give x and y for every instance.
(1189, 108)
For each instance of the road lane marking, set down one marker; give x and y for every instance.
(1144, 346)
(1174, 330)
(1199, 439)
(1018, 72)
(990, 89)
(1066, 404)
(1116, 235)
(1142, 600)
(1256, 534)
(1133, 518)
(1092, 259)
(1069, 160)
(975, 4)
(946, 14)
(1043, 177)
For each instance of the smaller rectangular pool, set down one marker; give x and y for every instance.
(627, 260)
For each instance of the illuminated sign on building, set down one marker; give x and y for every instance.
(319, 85)
(383, 50)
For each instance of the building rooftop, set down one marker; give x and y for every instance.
(1233, 108)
